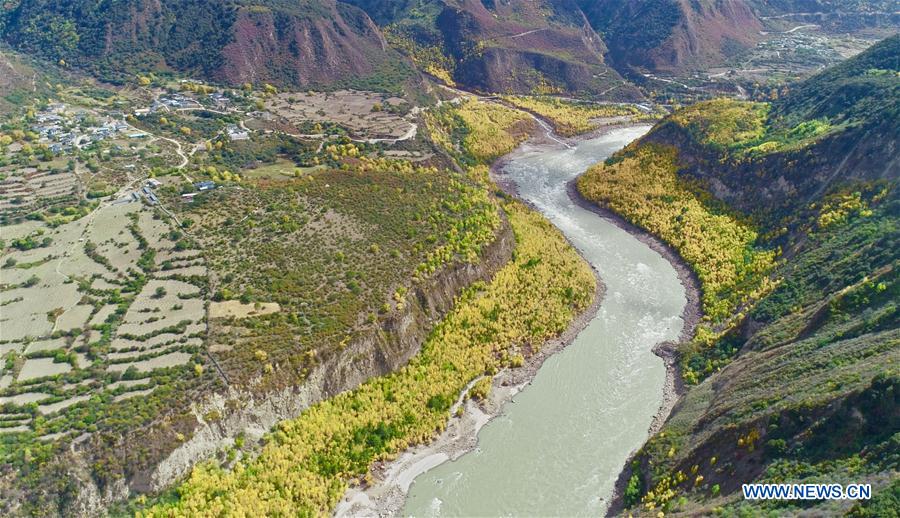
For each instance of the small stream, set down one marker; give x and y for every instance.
(560, 444)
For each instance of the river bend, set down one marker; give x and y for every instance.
(558, 447)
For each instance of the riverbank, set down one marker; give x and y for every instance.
(668, 351)
(691, 315)
(391, 480)
(674, 385)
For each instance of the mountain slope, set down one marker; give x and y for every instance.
(837, 127)
(519, 46)
(673, 35)
(681, 36)
(511, 47)
(303, 43)
(801, 385)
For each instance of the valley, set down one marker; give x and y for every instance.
(448, 258)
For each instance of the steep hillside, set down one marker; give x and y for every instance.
(514, 47)
(303, 43)
(858, 92)
(511, 47)
(673, 35)
(837, 127)
(20, 81)
(577, 47)
(801, 385)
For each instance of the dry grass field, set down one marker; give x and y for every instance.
(365, 115)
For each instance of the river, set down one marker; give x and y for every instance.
(558, 447)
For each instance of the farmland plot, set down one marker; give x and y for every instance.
(366, 115)
(23, 190)
(87, 311)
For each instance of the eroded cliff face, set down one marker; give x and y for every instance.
(242, 411)
(783, 183)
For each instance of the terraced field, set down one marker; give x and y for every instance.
(90, 309)
(24, 190)
(117, 324)
(171, 252)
